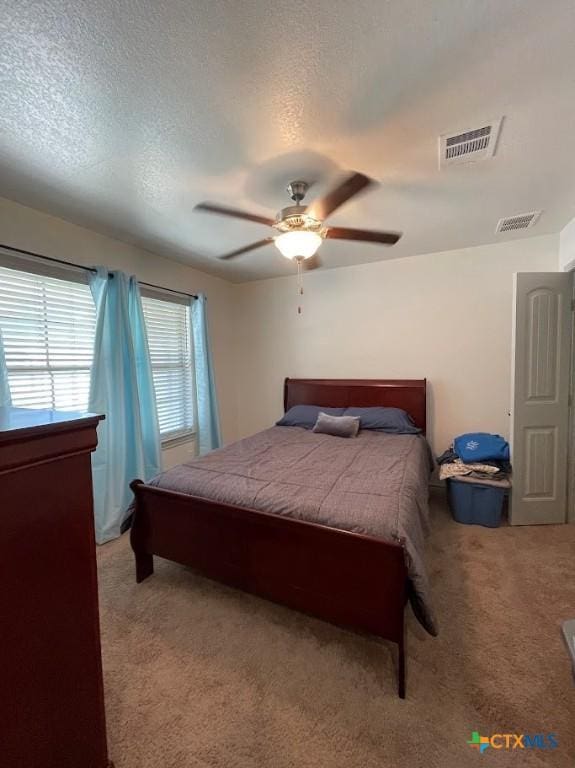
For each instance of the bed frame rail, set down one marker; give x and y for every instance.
(344, 578)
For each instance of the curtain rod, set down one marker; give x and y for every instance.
(89, 269)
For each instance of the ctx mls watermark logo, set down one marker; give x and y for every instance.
(511, 741)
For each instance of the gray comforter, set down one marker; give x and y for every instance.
(375, 484)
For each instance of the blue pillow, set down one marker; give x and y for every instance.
(392, 420)
(306, 415)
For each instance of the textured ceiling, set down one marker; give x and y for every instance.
(121, 116)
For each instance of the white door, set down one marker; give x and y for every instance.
(540, 397)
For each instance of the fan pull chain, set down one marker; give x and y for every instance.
(299, 282)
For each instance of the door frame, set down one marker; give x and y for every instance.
(571, 443)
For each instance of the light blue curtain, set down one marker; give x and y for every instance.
(121, 387)
(208, 428)
(5, 398)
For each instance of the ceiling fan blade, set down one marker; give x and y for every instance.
(346, 189)
(246, 248)
(233, 212)
(314, 262)
(363, 235)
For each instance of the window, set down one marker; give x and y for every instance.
(169, 338)
(48, 327)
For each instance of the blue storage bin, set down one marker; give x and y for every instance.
(475, 504)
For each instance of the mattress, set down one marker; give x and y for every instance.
(375, 484)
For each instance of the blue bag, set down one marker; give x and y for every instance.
(481, 446)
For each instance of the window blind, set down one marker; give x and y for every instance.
(48, 326)
(169, 339)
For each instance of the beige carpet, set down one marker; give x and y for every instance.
(201, 675)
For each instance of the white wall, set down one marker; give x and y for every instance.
(32, 230)
(567, 247)
(442, 316)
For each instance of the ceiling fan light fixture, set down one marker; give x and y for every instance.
(301, 227)
(298, 244)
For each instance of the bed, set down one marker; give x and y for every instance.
(319, 557)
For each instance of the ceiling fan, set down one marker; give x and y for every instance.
(302, 228)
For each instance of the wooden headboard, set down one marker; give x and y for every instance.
(408, 394)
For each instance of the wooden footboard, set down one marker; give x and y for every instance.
(344, 578)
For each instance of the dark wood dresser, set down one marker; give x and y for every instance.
(51, 688)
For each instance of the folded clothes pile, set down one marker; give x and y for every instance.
(478, 455)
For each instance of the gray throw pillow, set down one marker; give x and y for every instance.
(339, 426)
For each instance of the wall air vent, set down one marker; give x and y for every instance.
(469, 146)
(521, 221)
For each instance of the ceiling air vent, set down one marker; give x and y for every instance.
(469, 146)
(521, 221)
